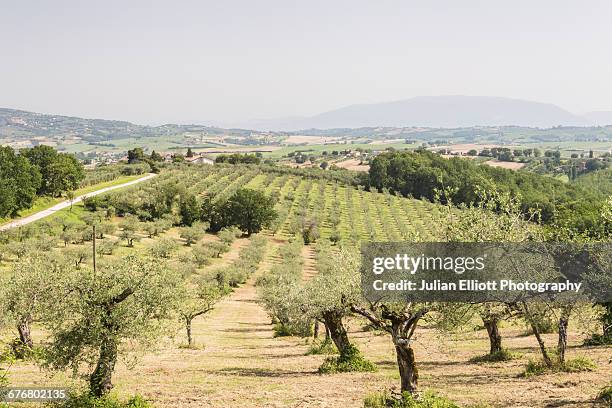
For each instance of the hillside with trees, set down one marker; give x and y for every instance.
(237, 271)
(423, 174)
(39, 171)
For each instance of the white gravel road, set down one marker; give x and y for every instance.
(64, 204)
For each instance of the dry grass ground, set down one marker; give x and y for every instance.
(353, 164)
(238, 363)
(506, 165)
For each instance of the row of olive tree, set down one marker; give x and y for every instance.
(331, 297)
(93, 317)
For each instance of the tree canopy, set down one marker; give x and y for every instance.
(19, 182)
(60, 172)
(124, 304)
(250, 210)
(422, 173)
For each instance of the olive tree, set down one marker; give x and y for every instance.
(228, 235)
(106, 247)
(217, 248)
(163, 248)
(77, 255)
(198, 301)
(105, 228)
(497, 217)
(129, 227)
(328, 297)
(400, 321)
(281, 286)
(193, 234)
(27, 293)
(104, 314)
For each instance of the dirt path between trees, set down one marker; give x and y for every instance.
(240, 365)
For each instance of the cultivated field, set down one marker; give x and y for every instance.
(237, 361)
(353, 164)
(309, 140)
(505, 165)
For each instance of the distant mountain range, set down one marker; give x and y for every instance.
(439, 112)
(24, 125)
(423, 111)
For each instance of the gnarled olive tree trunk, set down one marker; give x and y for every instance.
(337, 331)
(25, 333)
(100, 380)
(563, 324)
(409, 374)
(188, 329)
(25, 343)
(401, 325)
(495, 338)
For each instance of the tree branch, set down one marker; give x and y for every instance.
(371, 317)
(122, 296)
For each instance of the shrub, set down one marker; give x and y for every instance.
(534, 368)
(575, 365)
(503, 355)
(605, 395)
(578, 364)
(598, 340)
(86, 400)
(322, 347)
(300, 329)
(350, 360)
(406, 400)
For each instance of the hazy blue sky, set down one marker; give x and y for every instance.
(181, 61)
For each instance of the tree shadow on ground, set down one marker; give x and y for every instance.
(259, 347)
(263, 372)
(474, 379)
(442, 363)
(245, 330)
(565, 402)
